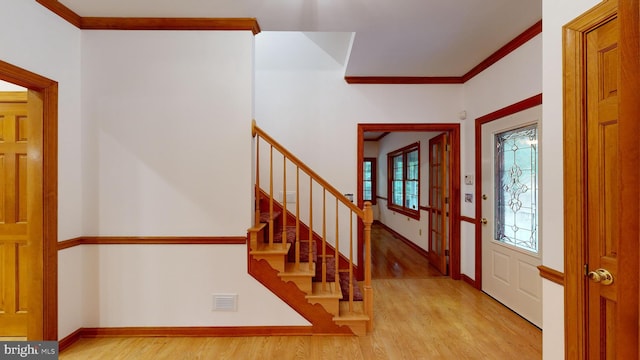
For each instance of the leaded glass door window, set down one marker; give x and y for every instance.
(516, 187)
(509, 228)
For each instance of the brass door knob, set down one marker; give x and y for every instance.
(601, 276)
(483, 221)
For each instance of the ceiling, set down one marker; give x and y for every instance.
(424, 38)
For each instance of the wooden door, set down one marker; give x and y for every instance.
(601, 171)
(602, 188)
(511, 251)
(14, 279)
(438, 202)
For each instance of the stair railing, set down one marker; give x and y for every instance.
(341, 201)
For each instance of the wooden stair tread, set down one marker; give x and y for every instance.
(332, 291)
(306, 270)
(264, 248)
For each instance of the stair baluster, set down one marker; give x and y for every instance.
(354, 316)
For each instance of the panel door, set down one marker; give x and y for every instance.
(511, 249)
(602, 187)
(13, 214)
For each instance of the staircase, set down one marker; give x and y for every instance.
(301, 263)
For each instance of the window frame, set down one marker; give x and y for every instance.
(404, 151)
(374, 177)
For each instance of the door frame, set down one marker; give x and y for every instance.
(575, 199)
(498, 114)
(43, 307)
(454, 140)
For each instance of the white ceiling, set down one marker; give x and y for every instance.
(393, 38)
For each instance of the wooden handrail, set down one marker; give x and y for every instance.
(255, 130)
(365, 214)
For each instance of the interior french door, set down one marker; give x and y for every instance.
(438, 202)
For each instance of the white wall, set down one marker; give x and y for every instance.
(33, 38)
(555, 14)
(171, 113)
(169, 148)
(173, 285)
(515, 77)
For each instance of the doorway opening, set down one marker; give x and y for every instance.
(404, 201)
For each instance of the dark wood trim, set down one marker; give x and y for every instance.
(61, 10)
(396, 80)
(525, 104)
(128, 23)
(50, 211)
(512, 45)
(454, 132)
(70, 243)
(224, 24)
(628, 307)
(195, 331)
(153, 240)
(383, 198)
(44, 326)
(469, 280)
(69, 340)
(424, 208)
(468, 219)
(551, 274)
(498, 114)
(408, 242)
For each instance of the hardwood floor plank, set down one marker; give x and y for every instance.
(419, 314)
(392, 258)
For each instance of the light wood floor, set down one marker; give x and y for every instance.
(418, 316)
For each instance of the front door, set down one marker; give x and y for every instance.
(14, 279)
(438, 202)
(511, 249)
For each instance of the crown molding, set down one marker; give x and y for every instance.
(132, 23)
(404, 80)
(512, 45)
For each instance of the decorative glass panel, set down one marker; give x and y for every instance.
(516, 188)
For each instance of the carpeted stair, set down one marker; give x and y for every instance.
(304, 256)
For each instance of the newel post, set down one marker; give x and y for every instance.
(367, 220)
